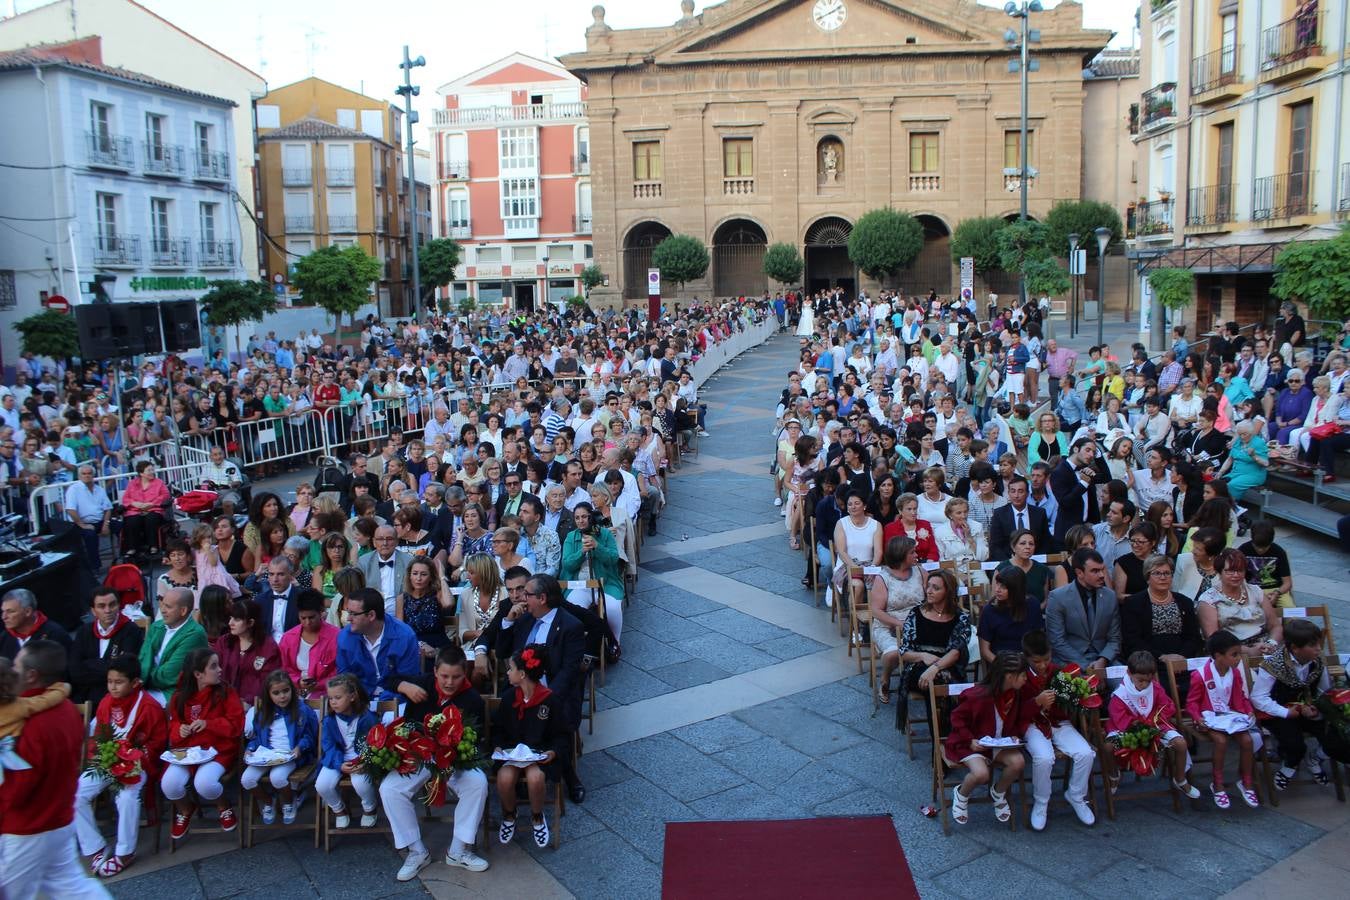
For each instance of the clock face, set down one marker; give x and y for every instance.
(829, 14)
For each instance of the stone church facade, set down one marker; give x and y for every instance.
(766, 121)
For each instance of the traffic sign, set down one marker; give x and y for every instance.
(57, 303)
(653, 282)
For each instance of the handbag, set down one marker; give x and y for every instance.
(1323, 431)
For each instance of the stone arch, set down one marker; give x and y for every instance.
(827, 262)
(638, 244)
(738, 246)
(932, 268)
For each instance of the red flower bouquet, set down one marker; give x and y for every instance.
(1075, 691)
(1139, 746)
(396, 747)
(114, 758)
(1335, 709)
(454, 747)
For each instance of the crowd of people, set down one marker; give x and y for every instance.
(473, 546)
(929, 462)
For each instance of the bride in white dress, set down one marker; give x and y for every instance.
(806, 323)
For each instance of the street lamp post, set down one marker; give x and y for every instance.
(1103, 238)
(407, 90)
(547, 299)
(1022, 9)
(1073, 285)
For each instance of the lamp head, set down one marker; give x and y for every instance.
(1010, 8)
(1073, 241)
(1010, 36)
(1103, 238)
(1033, 6)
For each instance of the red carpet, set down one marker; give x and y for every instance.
(840, 857)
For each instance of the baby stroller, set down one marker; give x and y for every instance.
(330, 475)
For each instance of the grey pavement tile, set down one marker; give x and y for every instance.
(766, 761)
(577, 823)
(877, 765)
(715, 735)
(647, 653)
(598, 769)
(789, 583)
(1061, 849)
(675, 600)
(1185, 851)
(265, 864)
(930, 891)
(360, 867)
(816, 783)
(726, 653)
(718, 561)
(800, 729)
(790, 646)
(689, 674)
(601, 865)
(286, 890)
(179, 882)
(680, 769)
(841, 702)
(629, 684)
(637, 811)
(737, 625)
(1131, 877)
(992, 875)
(749, 802)
(656, 622)
(1265, 830)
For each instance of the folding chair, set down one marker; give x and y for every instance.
(324, 819)
(940, 698)
(1335, 669)
(559, 803)
(1106, 755)
(230, 777)
(1315, 612)
(300, 780)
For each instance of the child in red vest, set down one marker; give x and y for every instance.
(996, 710)
(1217, 703)
(203, 713)
(1141, 699)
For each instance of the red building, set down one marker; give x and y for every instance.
(513, 171)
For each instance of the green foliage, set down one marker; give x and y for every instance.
(885, 241)
(466, 306)
(1174, 288)
(338, 280)
(681, 258)
(577, 302)
(1081, 217)
(592, 277)
(237, 302)
(1046, 277)
(436, 262)
(783, 263)
(978, 239)
(1020, 243)
(49, 333)
(1318, 274)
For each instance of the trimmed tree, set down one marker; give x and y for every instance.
(978, 239)
(1174, 288)
(885, 241)
(681, 258)
(436, 262)
(338, 280)
(236, 302)
(1046, 277)
(591, 278)
(1318, 274)
(1081, 217)
(49, 333)
(1020, 243)
(783, 263)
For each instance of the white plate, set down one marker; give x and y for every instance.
(265, 758)
(1000, 743)
(194, 756)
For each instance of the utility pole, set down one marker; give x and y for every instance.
(407, 91)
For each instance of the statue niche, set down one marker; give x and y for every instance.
(829, 161)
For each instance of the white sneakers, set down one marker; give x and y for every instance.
(466, 859)
(777, 501)
(1082, 810)
(1039, 810)
(415, 863)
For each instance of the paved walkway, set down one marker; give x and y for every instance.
(735, 700)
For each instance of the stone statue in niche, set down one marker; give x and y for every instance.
(831, 161)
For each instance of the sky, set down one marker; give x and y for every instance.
(359, 44)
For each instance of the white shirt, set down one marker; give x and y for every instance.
(168, 636)
(302, 655)
(279, 605)
(580, 495)
(281, 739)
(388, 587)
(1263, 682)
(949, 365)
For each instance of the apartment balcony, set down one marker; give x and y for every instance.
(170, 253)
(1149, 220)
(738, 187)
(581, 164)
(1343, 202)
(215, 254)
(382, 224)
(1012, 182)
(1215, 77)
(297, 177)
(423, 223)
(460, 230)
(299, 224)
(521, 226)
(1209, 208)
(341, 177)
(388, 273)
(119, 250)
(380, 177)
(1295, 47)
(342, 224)
(518, 114)
(403, 185)
(106, 151)
(1160, 107)
(581, 224)
(454, 170)
(1277, 198)
(925, 184)
(647, 190)
(164, 160)
(211, 165)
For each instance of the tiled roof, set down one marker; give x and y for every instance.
(27, 58)
(1115, 64)
(315, 129)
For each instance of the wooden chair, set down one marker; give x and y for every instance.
(1335, 670)
(559, 803)
(324, 821)
(150, 797)
(860, 616)
(301, 779)
(230, 777)
(1315, 613)
(1096, 735)
(947, 774)
(912, 736)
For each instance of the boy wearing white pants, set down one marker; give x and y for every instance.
(1051, 731)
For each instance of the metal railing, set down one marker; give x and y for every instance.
(1292, 40)
(1150, 218)
(164, 159)
(1343, 203)
(1210, 205)
(107, 151)
(215, 254)
(454, 169)
(581, 224)
(1282, 196)
(46, 501)
(299, 224)
(1216, 69)
(343, 177)
(341, 224)
(461, 229)
(1160, 105)
(581, 163)
(495, 115)
(212, 165)
(117, 250)
(382, 223)
(170, 253)
(297, 177)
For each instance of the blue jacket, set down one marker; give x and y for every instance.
(398, 653)
(306, 740)
(333, 751)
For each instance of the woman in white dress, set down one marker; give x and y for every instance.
(857, 544)
(806, 323)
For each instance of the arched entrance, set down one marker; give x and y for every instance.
(827, 262)
(638, 245)
(738, 259)
(932, 268)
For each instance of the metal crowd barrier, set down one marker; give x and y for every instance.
(46, 501)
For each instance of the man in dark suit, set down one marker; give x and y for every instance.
(1082, 619)
(1072, 482)
(508, 501)
(93, 646)
(564, 640)
(280, 613)
(1017, 514)
(24, 622)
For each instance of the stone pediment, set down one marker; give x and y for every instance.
(775, 28)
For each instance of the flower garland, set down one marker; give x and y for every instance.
(114, 758)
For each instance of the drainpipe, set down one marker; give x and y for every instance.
(1336, 186)
(57, 229)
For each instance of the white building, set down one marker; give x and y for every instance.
(113, 173)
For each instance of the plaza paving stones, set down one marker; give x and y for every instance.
(735, 699)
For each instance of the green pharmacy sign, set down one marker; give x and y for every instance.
(169, 283)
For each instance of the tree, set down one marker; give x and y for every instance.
(681, 258)
(1174, 288)
(591, 278)
(978, 239)
(436, 262)
(1020, 243)
(236, 302)
(338, 280)
(1318, 274)
(1045, 277)
(1081, 217)
(783, 263)
(885, 241)
(49, 333)
(466, 306)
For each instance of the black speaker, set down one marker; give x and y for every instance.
(182, 327)
(94, 323)
(136, 328)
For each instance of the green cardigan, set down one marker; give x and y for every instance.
(164, 676)
(604, 561)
